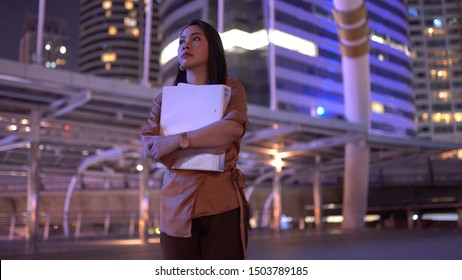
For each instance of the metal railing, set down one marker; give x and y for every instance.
(115, 224)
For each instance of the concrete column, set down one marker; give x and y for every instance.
(271, 57)
(410, 218)
(40, 21)
(277, 194)
(147, 43)
(317, 195)
(33, 179)
(220, 15)
(351, 19)
(144, 201)
(356, 184)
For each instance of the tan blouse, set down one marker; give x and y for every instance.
(187, 194)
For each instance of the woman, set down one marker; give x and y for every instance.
(202, 213)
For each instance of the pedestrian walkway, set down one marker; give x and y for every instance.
(428, 244)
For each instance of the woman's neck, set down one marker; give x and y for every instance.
(196, 76)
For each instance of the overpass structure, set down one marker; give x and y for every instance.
(70, 132)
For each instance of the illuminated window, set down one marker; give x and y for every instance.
(443, 62)
(131, 22)
(107, 66)
(430, 32)
(393, 44)
(109, 57)
(107, 4)
(425, 117)
(129, 5)
(133, 31)
(413, 12)
(458, 117)
(442, 96)
(437, 22)
(452, 21)
(108, 13)
(251, 41)
(112, 30)
(442, 74)
(442, 117)
(377, 107)
(438, 74)
(437, 53)
(453, 61)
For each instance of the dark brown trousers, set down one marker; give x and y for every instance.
(215, 237)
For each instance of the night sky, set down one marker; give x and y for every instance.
(13, 13)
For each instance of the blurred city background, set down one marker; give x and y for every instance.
(77, 79)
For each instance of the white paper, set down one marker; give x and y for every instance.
(189, 107)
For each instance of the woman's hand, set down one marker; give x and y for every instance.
(159, 146)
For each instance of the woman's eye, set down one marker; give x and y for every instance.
(181, 41)
(196, 39)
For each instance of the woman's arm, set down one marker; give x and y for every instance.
(218, 134)
(214, 137)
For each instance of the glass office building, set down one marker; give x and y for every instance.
(300, 70)
(436, 39)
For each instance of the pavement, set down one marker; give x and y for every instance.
(365, 244)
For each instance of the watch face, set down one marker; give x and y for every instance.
(184, 143)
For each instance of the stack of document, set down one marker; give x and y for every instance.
(189, 107)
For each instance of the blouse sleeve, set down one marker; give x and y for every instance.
(237, 107)
(153, 125)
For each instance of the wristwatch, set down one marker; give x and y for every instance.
(184, 141)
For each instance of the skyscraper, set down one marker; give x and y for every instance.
(303, 60)
(55, 44)
(111, 39)
(436, 34)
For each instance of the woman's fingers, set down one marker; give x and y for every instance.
(161, 146)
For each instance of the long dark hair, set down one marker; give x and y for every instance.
(217, 68)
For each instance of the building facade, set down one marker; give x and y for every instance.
(436, 35)
(55, 43)
(111, 39)
(286, 53)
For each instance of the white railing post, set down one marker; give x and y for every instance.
(131, 228)
(78, 225)
(107, 223)
(46, 229)
(12, 227)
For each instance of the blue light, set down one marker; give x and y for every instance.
(413, 12)
(437, 22)
(320, 110)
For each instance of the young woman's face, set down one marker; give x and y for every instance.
(193, 50)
